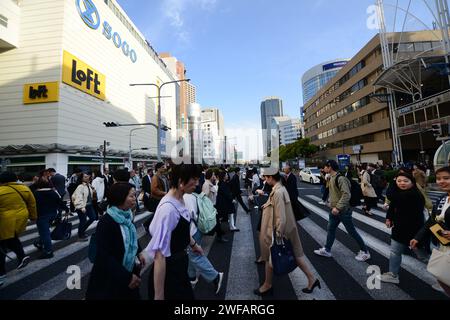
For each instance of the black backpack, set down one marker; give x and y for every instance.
(355, 191)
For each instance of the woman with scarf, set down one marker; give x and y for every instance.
(117, 265)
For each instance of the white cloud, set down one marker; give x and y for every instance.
(175, 12)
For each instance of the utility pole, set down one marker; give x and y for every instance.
(225, 149)
(104, 155)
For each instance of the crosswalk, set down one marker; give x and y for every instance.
(341, 277)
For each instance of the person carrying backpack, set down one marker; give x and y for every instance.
(341, 211)
(203, 216)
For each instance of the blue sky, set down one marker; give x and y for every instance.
(237, 52)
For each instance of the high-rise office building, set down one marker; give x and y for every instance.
(186, 92)
(315, 78)
(289, 129)
(344, 117)
(213, 132)
(271, 107)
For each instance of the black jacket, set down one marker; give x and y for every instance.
(406, 213)
(109, 279)
(291, 187)
(235, 185)
(437, 209)
(147, 184)
(48, 202)
(224, 202)
(59, 182)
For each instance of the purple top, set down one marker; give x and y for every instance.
(164, 222)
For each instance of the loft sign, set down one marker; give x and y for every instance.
(89, 14)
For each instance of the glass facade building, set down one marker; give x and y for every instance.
(270, 108)
(317, 77)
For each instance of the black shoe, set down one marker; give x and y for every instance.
(46, 255)
(235, 230)
(259, 262)
(23, 263)
(83, 238)
(263, 294)
(38, 245)
(222, 240)
(315, 284)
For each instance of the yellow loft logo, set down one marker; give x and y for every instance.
(81, 76)
(41, 92)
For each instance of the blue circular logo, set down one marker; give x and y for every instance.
(88, 12)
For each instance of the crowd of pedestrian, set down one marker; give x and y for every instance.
(177, 195)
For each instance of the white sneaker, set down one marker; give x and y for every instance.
(389, 277)
(218, 282)
(323, 252)
(322, 203)
(194, 282)
(363, 256)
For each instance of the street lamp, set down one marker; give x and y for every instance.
(116, 124)
(159, 87)
(129, 147)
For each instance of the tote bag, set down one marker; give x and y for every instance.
(439, 266)
(283, 260)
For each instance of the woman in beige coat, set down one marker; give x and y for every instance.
(370, 196)
(279, 217)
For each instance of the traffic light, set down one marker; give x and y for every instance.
(437, 129)
(110, 124)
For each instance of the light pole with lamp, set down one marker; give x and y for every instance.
(129, 147)
(115, 124)
(159, 87)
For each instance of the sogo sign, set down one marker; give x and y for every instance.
(89, 14)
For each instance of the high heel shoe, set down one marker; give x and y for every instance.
(315, 284)
(263, 294)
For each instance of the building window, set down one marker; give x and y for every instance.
(3, 21)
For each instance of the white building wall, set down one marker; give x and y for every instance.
(47, 28)
(10, 33)
(124, 104)
(37, 59)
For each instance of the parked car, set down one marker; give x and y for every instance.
(311, 175)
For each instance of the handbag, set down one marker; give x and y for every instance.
(63, 230)
(300, 212)
(283, 260)
(439, 266)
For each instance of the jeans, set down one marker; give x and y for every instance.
(90, 213)
(15, 246)
(395, 258)
(325, 194)
(200, 263)
(43, 225)
(346, 218)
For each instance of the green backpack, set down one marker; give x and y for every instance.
(206, 221)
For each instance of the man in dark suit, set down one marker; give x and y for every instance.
(58, 181)
(108, 179)
(235, 186)
(291, 183)
(147, 187)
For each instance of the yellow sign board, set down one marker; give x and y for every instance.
(81, 76)
(41, 92)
